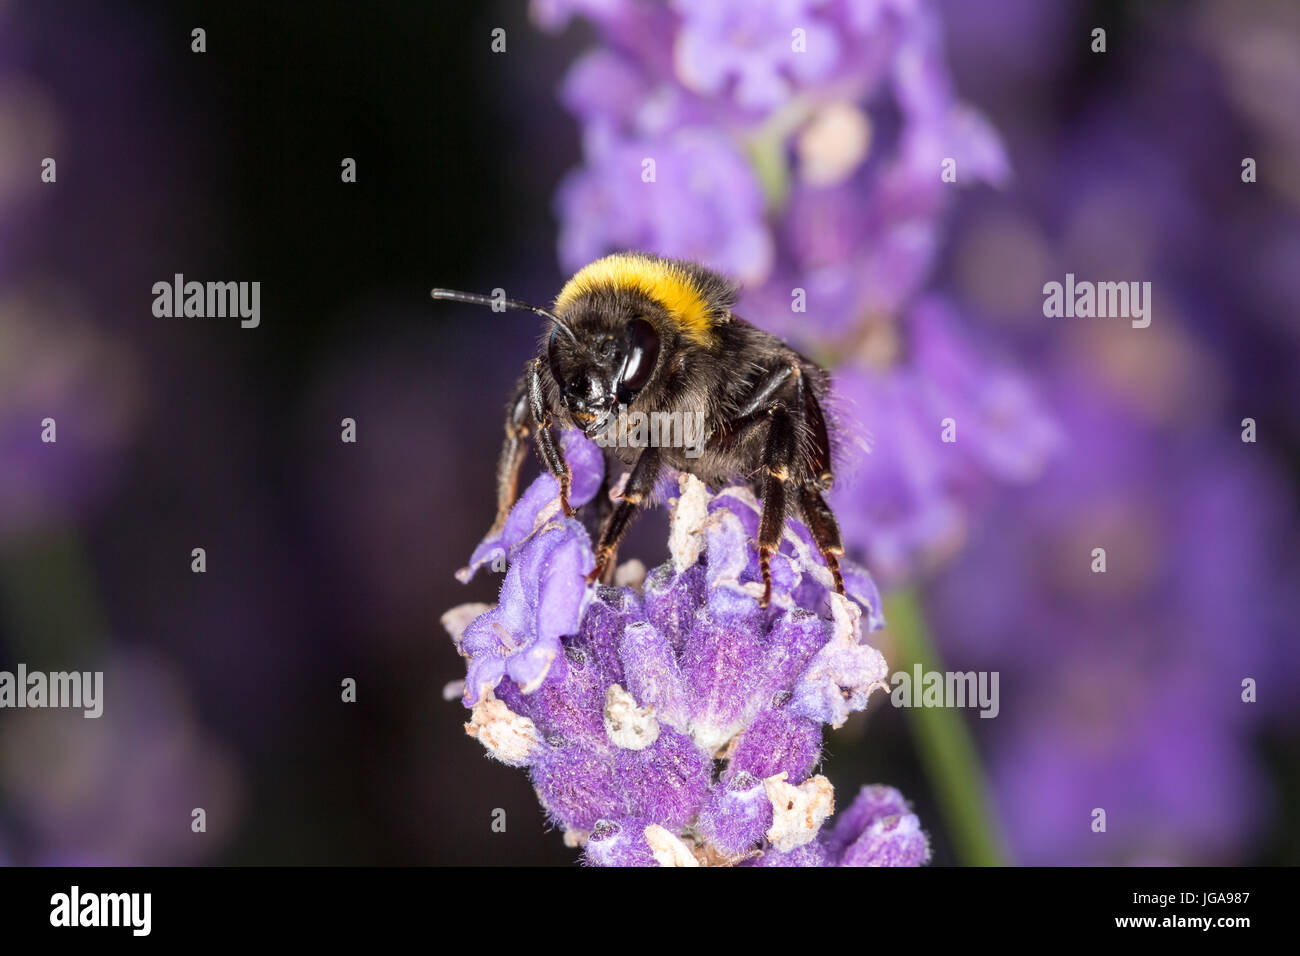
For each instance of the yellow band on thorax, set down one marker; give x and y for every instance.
(663, 282)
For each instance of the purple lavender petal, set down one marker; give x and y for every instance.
(611, 612)
(889, 841)
(877, 829)
(721, 663)
(737, 815)
(775, 741)
(672, 600)
(810, 854)
(567, 707)
(653, 674)
(794, 639)
(871, 804)
(860, 586)
(747, 49)
(577, 787)
(541, 501)
(619, 843)
(542, 598)
(665, 783)
(842, 675)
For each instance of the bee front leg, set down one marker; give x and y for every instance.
(513, 451)
(550, 453)
(640, 483)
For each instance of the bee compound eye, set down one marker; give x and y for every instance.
(642, 354)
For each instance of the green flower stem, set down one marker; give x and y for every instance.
(767, 147)
(767, 156)
(945, 744)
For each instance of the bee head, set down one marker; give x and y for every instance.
(628, 312)
(610, 358)
(615, 323)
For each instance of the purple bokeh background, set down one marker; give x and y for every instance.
(328, 560)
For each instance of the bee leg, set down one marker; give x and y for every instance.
(596, 515)
(818, 462)
(550, 453)
(825, 530)
(513, 451)
(782, 440)
(767, 386)
(640, 483)
(821, 521)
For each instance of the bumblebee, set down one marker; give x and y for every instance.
(638, 332)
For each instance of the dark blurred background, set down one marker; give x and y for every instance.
(327, 560)
(321, 564)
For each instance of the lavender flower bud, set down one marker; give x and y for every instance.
(878, 830)
(618, 843)
(737, 815)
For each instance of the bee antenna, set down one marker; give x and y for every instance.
(473, 298)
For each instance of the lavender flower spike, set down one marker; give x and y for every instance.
(678, 723)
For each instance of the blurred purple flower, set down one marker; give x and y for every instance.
(56, 366)
(944, 429)
(619, 700)
(57, 360)
(800, 148)
(760, 52)
(712, 210)
(120, 789)
(1128, 683)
